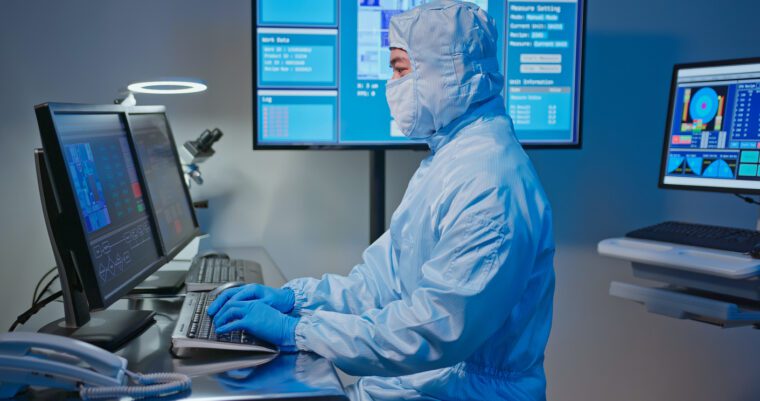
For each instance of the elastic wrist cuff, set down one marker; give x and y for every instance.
(299, 298)
(301, 329)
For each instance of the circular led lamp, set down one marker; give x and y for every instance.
(167, 87)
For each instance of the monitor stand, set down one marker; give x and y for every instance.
(162, 283)
(108, 329)
(376, 194)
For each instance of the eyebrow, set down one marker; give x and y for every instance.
(396, 60)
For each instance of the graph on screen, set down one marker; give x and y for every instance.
(110, 198)
(713, 135)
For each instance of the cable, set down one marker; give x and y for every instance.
(45, 289)
(37, 287)
(148, 385)
(22, 318)
(747, 199)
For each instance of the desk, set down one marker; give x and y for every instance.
(286, 377)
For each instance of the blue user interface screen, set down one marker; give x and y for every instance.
(111, 200)
(321, 67)
(160, 166)
(714, 128)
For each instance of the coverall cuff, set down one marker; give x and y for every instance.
(303, 325)
(299, 295)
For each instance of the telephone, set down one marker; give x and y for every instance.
(46, 360)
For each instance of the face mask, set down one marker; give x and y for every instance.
(401, 94)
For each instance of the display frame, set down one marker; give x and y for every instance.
(69, 220)
(669, 126)
(421, 146)
(168, 252)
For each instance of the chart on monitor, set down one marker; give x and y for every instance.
(320, 69)
(713, 136)
(109, 195)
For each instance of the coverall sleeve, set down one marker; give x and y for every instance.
(477, 274)
(370, 285)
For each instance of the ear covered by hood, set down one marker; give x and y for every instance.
(452, 46)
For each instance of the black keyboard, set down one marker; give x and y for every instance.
(715, 237)
(219, 270)
(202, 326)
(207, 273)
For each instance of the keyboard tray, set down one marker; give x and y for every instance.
(712, 262)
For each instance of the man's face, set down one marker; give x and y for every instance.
(400, 63)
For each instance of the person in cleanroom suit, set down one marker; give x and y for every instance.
(454, 301)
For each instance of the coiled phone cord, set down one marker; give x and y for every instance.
(148, 385)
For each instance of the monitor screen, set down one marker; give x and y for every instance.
(320, 68)
(160, 166)
(712, 139)
(111, 200)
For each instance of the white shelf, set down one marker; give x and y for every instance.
(680, 305)
(726, 264)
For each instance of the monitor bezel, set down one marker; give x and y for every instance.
(70, 220)
(161, 110)
(668, 126)
(576, 145)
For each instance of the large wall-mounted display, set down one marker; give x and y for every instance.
(320, 68)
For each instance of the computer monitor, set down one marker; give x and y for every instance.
(159, 162)
(712, 135)
(116, 208)
(320, 68)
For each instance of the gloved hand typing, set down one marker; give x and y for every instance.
(281, 299)
(260, 320)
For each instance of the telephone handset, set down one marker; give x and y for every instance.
(46, 360)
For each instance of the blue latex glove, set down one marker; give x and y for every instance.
(261, 321)
(281, 299)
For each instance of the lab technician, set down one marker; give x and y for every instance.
(455, 300)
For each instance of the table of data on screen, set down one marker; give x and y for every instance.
(321, 67)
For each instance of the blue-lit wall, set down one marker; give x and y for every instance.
(310, 209)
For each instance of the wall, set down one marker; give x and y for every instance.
(310, 209)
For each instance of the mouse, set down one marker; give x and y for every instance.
(226, 286)
(212, 254)
(755, 252)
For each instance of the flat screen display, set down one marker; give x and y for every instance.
(712, 139)
(161, 167)
(320, 69)
(112, 204)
